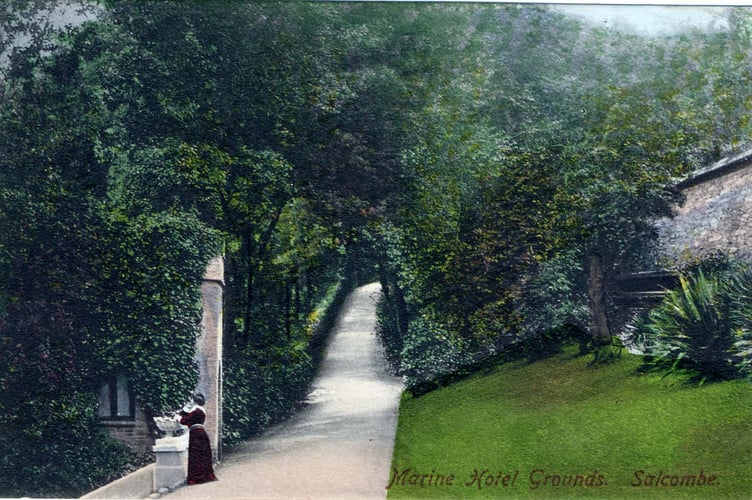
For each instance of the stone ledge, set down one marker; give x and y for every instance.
(137, 484)
(720, 168)
(118, 423)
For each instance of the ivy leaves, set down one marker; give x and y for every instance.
(150, 302)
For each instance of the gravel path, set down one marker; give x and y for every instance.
(340, 445)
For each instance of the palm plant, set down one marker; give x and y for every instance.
(739, 286)
(695, 324)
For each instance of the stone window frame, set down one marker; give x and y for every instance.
(114, 403)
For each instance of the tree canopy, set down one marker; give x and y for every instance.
(494, 166)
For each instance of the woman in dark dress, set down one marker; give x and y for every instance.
(200, 467)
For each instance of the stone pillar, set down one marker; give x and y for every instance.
(172, 462)
(209, 352)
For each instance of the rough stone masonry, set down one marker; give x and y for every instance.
(209, 351)
(717, 214)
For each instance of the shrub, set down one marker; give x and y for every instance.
(743, 353)
(544, 344)
(430, 351)
(553, 296)
(51, 441)
(705, 323)
(739, 285)
(262, 387)
(388, 332)
(56, 448)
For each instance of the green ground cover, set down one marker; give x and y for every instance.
(558, 428)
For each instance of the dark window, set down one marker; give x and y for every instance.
(116, 400)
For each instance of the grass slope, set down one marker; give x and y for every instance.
(591, 431)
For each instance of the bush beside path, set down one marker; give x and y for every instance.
(340, 445)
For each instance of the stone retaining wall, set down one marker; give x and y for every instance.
(135, 433)
(138, 484)
(717, 214)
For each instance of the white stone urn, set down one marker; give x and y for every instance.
(169, 425)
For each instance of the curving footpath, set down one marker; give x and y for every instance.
(340, 445)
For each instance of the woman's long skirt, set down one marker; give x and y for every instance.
(200, 467)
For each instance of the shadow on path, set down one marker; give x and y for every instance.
(340, 445)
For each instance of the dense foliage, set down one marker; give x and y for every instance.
(493, 166)
(541, 180)
(704, 325)
(115, 197)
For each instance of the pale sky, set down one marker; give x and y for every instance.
(637, 15)
(649, 19)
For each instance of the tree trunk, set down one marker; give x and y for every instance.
(393, 294)
(597, 295)
(402, 320)
(254, 261)
(288, 308)
(250, 276)
(308, 303)
(296, 299)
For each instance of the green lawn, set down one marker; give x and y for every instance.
(558, 428)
